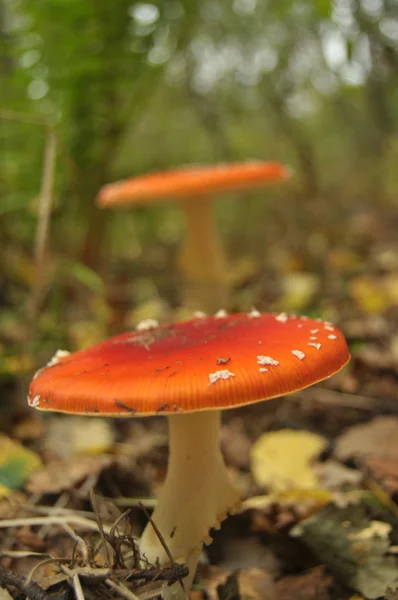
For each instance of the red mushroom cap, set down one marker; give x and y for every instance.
(202, 364)
(191, 181)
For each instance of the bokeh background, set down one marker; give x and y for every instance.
(96, 91)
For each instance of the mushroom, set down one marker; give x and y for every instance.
(190, 371)
(202, 260)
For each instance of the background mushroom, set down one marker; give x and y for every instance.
(202, 259)
(190, 371)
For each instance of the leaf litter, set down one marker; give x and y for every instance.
(49, 517)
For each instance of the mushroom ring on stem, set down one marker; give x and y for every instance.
(190, 371)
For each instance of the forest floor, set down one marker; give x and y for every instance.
(320, 523)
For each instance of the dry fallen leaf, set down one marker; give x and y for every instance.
(385, 471)
(235, 444)
(282, 460)
(334, 476)
(378, 437)
(312, 585)
(65, 474)
(68, 435)
(353, 547)
(247, 584)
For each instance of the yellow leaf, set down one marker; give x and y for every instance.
(281, 460)
(370, 294)
(16, 464)
(298, 290)
(71, 435)
(243, 269)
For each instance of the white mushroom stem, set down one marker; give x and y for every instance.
(202, 259)
(196, 495)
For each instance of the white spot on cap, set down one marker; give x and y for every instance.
(282, 317)
(147, 324)
(300, 355)
(329, 328)
(317, 346)
(312, 337)
(39, 372)
(267, 360)
(263, 370)
(314, 331)
(217, 375)
(221, 314)
(300, 325)
(34, 401)
(199, 314)
(57, 357)
(254, 313)
(332, 336)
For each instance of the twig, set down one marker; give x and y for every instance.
(30, 588)
(100, 527)
(60, 503)
(24, 554)
(159, 535)
(46, 200)
(121, 589)
(80, 542)
(33, 521)
(174, 566)
(77, 586)
(135, 502)
(55, 510)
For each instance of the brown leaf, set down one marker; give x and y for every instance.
(65, 474)
(31, 539)
(313, 585)
(235, 444)
(379, 437)
(248, 584)
(385, 470)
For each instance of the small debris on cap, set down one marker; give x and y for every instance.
(332, 336)
(57, 357)
(199, 314)
(34, 401)
(221, 314)
(254, 313)
(217, 375)
(267, 360)
(300, 355)
(282, 317)
(147, 324)
(223, 361)
(316, 345)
